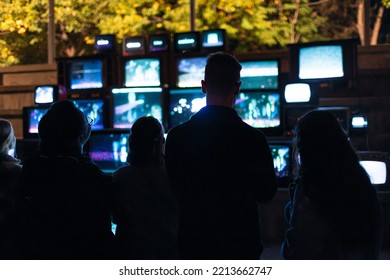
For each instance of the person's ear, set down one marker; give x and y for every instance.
(204, 87)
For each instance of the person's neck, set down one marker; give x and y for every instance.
(220, 101)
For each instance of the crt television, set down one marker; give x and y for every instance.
(141, 72)
(259, 109)
(129, 104)
(134, 45)
(184, 103)
(186, 42)
(260, 74)
(95, 109)
(326, 63)
(46, 94)
(376, 165)
(190, 71)
(108, 148)
(86, 73)
(159, 43)
(31, 119)
(213, 39)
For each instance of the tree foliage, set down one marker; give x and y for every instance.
(250, 25)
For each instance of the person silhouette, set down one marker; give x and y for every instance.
(144, 207)
(334, 211)
(220, 168)
(62, 210)
(10, 168)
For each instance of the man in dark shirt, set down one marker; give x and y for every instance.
(220, 168)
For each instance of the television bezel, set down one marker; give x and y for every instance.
(123, 70)
(259, 60)
(26, 121)
(196, 48)
(55, 94)
(349, 52)
(110, 47)
(73, 60)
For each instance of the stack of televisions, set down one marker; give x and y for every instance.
(151, 78)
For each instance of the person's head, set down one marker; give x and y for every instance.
(146, 142)
(63, 130)
(222, 77)
(7, 137)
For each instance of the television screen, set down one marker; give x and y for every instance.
(31, 119)
(376, 170)
(93, 108)
(259, 109)
(159, 43)
(190, 71)
(105, 43)
(259, 74)
(108, 149)
(213, 39)
(134, 45)
(142, 72)
(131, 103)
(321, 62)
(86, 74)
(186, 42)
(45, 94)
(184, 103)
(297, 93)
(282, 161)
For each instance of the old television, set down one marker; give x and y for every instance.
(186, 42)
(142, 72)
(282, 157)
(260, 74)
(95, 109)
(159, 43)
(108, 148)
(184, 103)
(190, 71)
(134, 46)
(46, 94)
(105, 43)
(376, 165)
(129, 104)
(31, 118)
(214, 40)
(299, 94)
(327, 64)
(260, 109)
(86, 73)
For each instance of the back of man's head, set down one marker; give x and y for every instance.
(63, 128)
(222, 73)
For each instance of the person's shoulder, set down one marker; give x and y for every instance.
(252, 131)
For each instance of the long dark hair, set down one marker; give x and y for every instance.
(146, 142)
(326, 162)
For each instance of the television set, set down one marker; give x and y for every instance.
(282, 158)
(359, 121)
(105, 43)
(183, 104)
(260, 74)
(259, 109)
(213, 40)
(134, 46)
(376, 165)
(108, 148)
(159, 43)
(330, 64)
(190, 71)
(299, 93)
(31, 118)
(186, 42)
(86, 74)
(131, 103)
(142, 72)
(94, 109)
(46, 94)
